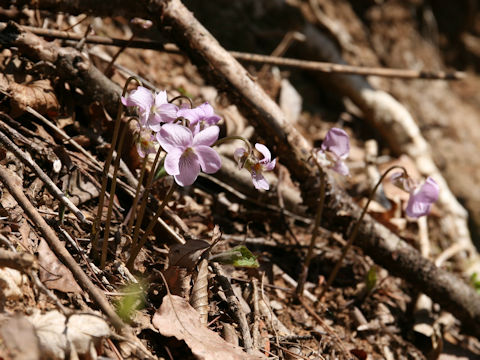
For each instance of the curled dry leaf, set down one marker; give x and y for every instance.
(177, 318)
(19, 341)
(10, 282)
(199, 298)
(81, 334)
(53, 273)
(187, 255)
(39, 95)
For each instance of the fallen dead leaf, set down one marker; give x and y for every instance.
(177, 318)
(39, 95)
(81, 334)
(53, 273)
(10, 282)
(187, 255)
(19, 339)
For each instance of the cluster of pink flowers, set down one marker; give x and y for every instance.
(335, 149)
(187, 136)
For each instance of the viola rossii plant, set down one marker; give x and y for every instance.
(332, 155)
(187, 136)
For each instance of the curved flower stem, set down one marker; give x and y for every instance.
(96, 223)
(234, 137)
(182, 97)
(354, 232)
(112, 195)
(150, 227)
(143, 204)
(137, 195)
(316, 226)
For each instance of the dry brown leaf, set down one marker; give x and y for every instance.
(199, 298)
(53, 273)
(177, 318)
(80, 335)
(10, 282)
(39, 95)
(78, 187)
(178, 280)
(19, 339)
(187, 255)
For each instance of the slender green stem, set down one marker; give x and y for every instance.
(354, 232)
(150, 227)
(95, 226)
(316, 226)
(143, 204)
(234, 137)
(137, 195)
(112, 195)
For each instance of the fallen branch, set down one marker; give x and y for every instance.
(8, 180)
(52, 188)
(23, 262)
(324, 67)
(235, 307)
(71, 65)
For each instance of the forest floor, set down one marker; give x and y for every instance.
(185, 287)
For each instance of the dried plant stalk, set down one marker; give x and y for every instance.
(199, 298)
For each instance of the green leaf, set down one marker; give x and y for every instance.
(371, 278)
(133, 300)
(475, 281)
(239, 256)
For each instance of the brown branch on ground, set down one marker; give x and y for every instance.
(19, 261)
(8, 180)
(324, 67)
(52, 188)
(235, 307)
(71, 65)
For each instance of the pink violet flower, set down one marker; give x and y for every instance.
(199, 117)
(334, 151)
(145, 142)
(254, 166)
(421, 198)
(188, 153)
(154, 109)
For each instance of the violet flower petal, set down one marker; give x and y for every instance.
(208, 158)
(160, 98)
(337, 142)
(238, 156)
(421, 199)
(340, 167)
(207, 136)
(259, 181)
(141, 97)
(270, 165)
(174, 136)
(192, 115)
(172, 161)
(167, 112)
(189, 167)
(267, 156)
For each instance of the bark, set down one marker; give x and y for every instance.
(71, 65)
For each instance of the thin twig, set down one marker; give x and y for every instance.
(324, 67)
(8, 180)
(23, 262)
(235, 307)
(52, 188)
